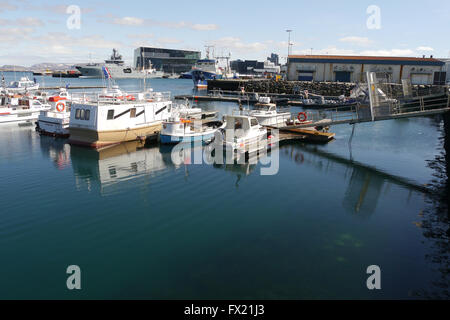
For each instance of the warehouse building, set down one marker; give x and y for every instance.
(168, 60)
(353, 68)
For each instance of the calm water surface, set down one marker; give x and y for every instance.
(140, 226)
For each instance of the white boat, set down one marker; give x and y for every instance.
(55, 122)
(244, 134)
(268, 115)
(178, 129)
(18, 108)
(114, 116)
(22, 86)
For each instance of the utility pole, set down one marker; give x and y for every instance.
(289, 52)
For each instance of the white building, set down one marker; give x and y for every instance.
(354, 68)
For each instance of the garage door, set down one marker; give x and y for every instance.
(305, 76)
(419, 79)
(343, 76)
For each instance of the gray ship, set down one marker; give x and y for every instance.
(115, 68)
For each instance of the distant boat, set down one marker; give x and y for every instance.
(115, 68)
(22, 86)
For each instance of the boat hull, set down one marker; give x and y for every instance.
(99, 139)
(174, 139)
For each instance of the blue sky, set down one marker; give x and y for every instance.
(33, 31)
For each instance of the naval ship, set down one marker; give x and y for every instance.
(115, 68)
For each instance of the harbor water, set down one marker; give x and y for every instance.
(140, 226)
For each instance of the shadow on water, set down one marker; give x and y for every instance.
(435, 221)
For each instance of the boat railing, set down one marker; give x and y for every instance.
(106, 98)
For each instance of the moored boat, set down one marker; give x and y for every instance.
(244, 134)
(113, 117)
(267, 113)
(20, 108)
(22, 86)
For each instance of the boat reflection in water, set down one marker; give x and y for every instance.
(105, 168)
(57, 150)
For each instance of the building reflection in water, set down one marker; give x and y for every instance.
(365, 183)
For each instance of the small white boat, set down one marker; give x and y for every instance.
(177, 130)
(55, 122)
(244, 134)
(18, 108)
(22, 86)
(268, 115)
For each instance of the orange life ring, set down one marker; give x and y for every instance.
(59, 108)
(302, 117)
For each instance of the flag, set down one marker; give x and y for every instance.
(106, 72)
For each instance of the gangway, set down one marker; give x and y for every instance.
(380, 107)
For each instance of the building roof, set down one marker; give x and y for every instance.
(365, 59)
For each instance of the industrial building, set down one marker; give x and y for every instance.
(353, 68)
(168, 60)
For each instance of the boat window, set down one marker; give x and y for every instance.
(77, 114)
(81, 114)
(237, 124)
(110, 115)
(128, 70)
(253, 122)
(133, 113)
(87, 114)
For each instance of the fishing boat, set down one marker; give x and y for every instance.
(267, 113)
(244, 134)
(20, 108)
(182, 128)
(55, 122)
(22, 86)
(114, 116)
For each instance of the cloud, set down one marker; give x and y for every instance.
(129, 21)
(93, 41)
(7, 6)
(239, 45)
(56, 9)
(359, 41)
(14, 35)
(31, 22)
(389, 53)
(169, 41)
(422, 48)
(22, 22)
(135, 21)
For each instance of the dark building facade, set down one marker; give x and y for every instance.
(168, 60)
(274, 58)
(246, 67)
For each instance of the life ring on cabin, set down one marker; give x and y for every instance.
(302, 117)
(60, 107)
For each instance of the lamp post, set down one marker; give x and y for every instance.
(289, 52)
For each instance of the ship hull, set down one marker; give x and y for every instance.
(99, 139)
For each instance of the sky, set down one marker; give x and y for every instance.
(34, 31)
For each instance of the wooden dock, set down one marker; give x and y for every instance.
(304, 135)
